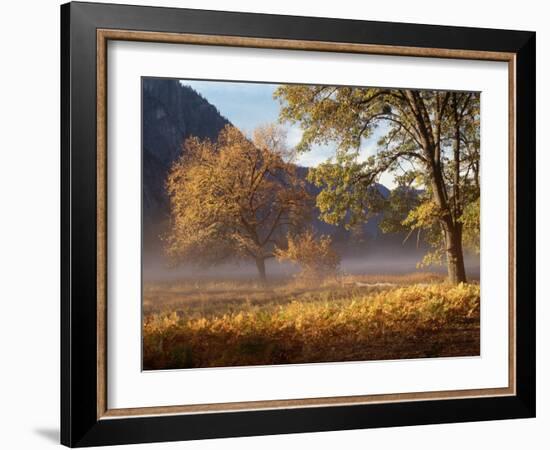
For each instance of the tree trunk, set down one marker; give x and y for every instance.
(451, 226)
(455, 256)
(260, 264)
(453, 230)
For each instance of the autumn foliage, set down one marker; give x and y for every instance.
(334, 323)
(234, 198)
(315, 256)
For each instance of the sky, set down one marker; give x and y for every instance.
(249, 105)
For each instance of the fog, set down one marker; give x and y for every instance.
(157, 269)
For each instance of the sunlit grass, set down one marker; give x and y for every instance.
(213, 324)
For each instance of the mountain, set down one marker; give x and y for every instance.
(170, 113)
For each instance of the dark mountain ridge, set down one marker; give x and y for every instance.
(170, 114)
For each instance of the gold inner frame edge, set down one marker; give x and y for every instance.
(103, 36)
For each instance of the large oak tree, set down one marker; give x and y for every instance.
(234, 198)
(431, 140)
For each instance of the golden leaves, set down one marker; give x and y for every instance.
(233, 197)
(314, 255)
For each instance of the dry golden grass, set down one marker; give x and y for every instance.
(353, 318)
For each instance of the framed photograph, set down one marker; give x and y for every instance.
(276, 224)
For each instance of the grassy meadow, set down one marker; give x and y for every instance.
(210, 323)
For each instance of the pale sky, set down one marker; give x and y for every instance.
(248, 105)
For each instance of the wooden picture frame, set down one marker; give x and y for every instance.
(86, 418)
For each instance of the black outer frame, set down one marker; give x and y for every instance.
(79, 423)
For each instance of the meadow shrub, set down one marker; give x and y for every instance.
(315, 255)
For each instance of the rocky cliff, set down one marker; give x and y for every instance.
(170, 114)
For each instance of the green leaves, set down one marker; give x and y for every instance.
(328, 113)
(348, 196)
(430, 142)
(471, 225)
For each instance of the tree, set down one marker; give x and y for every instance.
(233, 198)
(431, 140)
(315, 256)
